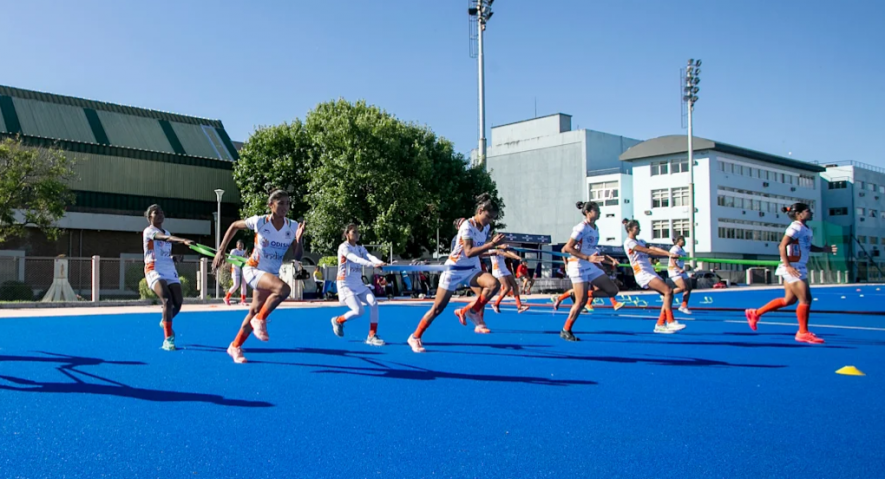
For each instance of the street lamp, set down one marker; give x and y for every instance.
(690, 96)
(218, 194)
(483, 12)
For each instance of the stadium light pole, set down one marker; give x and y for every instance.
(483, 13)
(218, 194)
(690, 96)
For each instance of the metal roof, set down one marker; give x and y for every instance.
(48, 118)
(676, 144)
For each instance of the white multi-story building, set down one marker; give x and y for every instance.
(854, 199)
(542, 168)
(739, 194)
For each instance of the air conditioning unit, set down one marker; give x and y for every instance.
(875, 197)
(761, 214)
(626, 201)
(792, 188)
(647, 212)
(875, 252)
(862, 194)
(863, 219)
(765, 184)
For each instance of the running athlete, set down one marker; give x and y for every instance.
(159, 270)
(236, 273)
(274, 235)
(795, 248)
(646, 277)
(472, 243)
(676, 270)
(352, 292)
(508, 282)
(584, 266)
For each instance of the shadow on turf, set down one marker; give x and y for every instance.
(383, 371)
(68, 367)
(661, 361)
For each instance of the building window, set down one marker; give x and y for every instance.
(837, 185)
(874, 240)
(861, 239)
(679, 166)
(881, 189)
(659, 168)
(863, 184)
(660, 229)
(681, 228)
(874, 213)
(860, 212)
(882, 216)
(721, 166)
(806, 181)
(839, 211)
(612, 238)
(871, 187)
(604, 194)
(609, 215)
(660, 198)
(680, 196)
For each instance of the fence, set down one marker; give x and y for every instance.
(118, 278)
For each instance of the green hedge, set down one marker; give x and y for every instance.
(16, 291)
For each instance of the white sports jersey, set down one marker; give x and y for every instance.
(351, 259)
(799, 248)
(157, 254)
(271, 244)
(499, 264)
(638, 260)
(676, 265)
(468, 230)
(237, 252)
(586, 241)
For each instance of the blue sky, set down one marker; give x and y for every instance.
(785, 76)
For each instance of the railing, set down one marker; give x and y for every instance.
(611, 171)
(857, 164)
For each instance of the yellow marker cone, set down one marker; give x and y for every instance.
(850, 371)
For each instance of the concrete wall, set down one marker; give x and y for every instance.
(603, 149)
(528, 129)
(541, 185)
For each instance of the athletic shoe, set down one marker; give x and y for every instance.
(169, 343)
(236, 353)
(618, 305)
(663, 329)
(556, 302)
(416, 345)
(808, 337)
(588, 307)
(259, 328)
(495, 308)
(374, 340)
(568, 336)
(675, 326)
(227, 300)
(242, 300)
(462, 316)
(481, 329)
(337, 328)
(685, 310)
(522, 309)
(752, 318)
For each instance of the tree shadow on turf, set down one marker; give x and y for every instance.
(69, 364)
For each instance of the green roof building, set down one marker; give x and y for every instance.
(127, 158)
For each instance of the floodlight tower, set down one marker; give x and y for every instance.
(480, 12)
(690, 97)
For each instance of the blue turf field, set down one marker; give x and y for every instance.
(94, 396)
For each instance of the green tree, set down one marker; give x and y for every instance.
(352, 162)
(33, 188)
